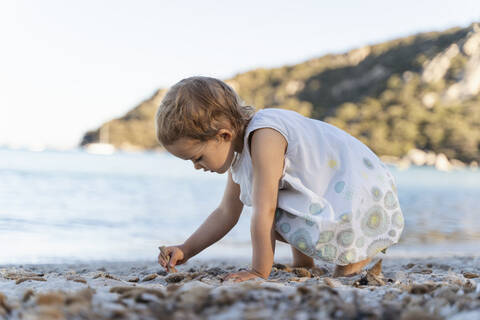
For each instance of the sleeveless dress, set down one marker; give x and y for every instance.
(337, 201)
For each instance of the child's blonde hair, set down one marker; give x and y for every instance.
(197, 107)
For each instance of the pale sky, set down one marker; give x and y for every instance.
(68, 66)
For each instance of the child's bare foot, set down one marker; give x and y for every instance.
(351, 269)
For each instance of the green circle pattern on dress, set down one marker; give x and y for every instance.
(301, 240)
(368, 163)
(374, 221)
(397, 219)
(339, 186)
(377, 193)
(377, 246)
(345, 237)
(309, 222)
(348, 256)
(360, 242)
(325, 236)
(390, 201)
(285, 227)
(327, 252)
(315, 208)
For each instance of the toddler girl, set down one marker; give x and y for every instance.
(309, 183)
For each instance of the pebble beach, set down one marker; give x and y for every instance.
(391, 288)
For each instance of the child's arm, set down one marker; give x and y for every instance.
(217, 225)
(268, 148)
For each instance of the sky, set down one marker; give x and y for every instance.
(68, 66)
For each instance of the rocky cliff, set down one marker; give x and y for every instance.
(420, 92)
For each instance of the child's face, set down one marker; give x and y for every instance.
(215, 155)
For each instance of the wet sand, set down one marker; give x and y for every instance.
(433, 288)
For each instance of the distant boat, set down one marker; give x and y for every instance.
(102, 147)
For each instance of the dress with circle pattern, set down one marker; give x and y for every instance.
(337, 201)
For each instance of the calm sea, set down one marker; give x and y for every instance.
(73, 206)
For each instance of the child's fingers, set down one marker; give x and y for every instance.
(164, 256)
(161, 260)
(175, 257)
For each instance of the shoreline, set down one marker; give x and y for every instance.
(407, 288)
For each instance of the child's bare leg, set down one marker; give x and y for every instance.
(299, 259)
(350, 269)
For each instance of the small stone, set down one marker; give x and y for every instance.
(318, 271)
(174, 278)
(133, 292)
(215, 271)
(469, 286)
(332, 283)
(150, 277)
(172, 287)
(162, 273)
(77, 279)
(81, 297)
(417, 314)
(422, 288)
(425, 271)
(19, 275)
(20, 280)
(282, 267)
(51, 298)
(304, 290)
(374, 280)
(134, 279)
(106, 276)
(410, 266)
(121, 290)
(470, 275)
(302, 272)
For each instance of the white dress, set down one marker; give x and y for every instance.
(336, 201)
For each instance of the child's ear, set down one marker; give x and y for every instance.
(225, 135)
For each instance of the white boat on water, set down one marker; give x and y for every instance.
(102, 147)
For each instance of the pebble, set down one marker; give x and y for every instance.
(133, 279)
(150, 277)
(77, 279)
(20, 280)
(470, 275)
(302, 272)
(422, 288)
(175, 277)
(332, 283)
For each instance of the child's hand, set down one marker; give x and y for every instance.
(171, 256)
(242, 276)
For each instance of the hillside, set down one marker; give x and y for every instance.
(421, 92)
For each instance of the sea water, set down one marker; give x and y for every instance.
(73, 206)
